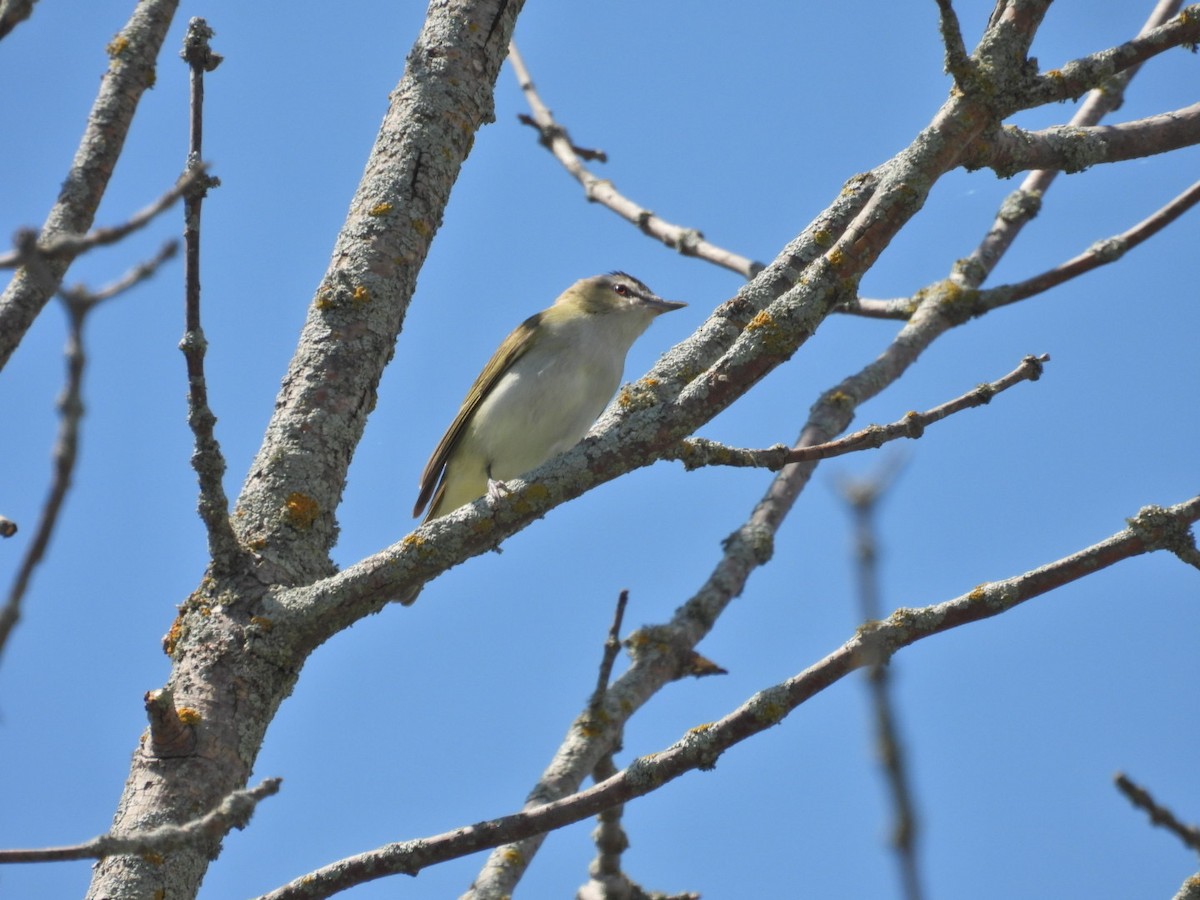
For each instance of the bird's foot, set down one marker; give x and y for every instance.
(496, 490)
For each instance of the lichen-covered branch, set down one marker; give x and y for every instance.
(207, 459)
(132, 55)
(702, 747)
(1069, 148)
(232, 812)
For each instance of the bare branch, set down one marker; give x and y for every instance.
(1090, 72)
(958, 63)
(132, 55)
(862, 496)
(233, 812)
(1159, 815)
(1070, 148)
(553, 137)
(612, 647)
(1101, 253)
(1025, 202)
(695, 453)
(702, 746)
(207, 460)
(79, 301)
(64, 246)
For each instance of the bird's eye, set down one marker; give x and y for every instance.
(621, 289)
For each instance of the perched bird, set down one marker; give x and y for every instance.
(541, 391)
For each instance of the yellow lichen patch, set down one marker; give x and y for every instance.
(836, 257)
(189, 715)
(533, 493)
(302, 510)
(840, 398)
(421, 227)
(380, 209)
(361, 295)
(484, 526)
(762, 320)
(822, 238)
(412, 540)
(512, 855)
(701, 728)
(171, 639)
(117, 46)
(262, 622)
(155, 859)
(977, 593)
(769, 712)
(324, 299)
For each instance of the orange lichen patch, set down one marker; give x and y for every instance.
(302, 510)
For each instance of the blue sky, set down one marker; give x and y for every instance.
(425, 718)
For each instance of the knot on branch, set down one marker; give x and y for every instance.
(172, 730)
(196, 52)
(1108, 250)
(1162, 529)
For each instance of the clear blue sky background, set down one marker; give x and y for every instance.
(741, 121)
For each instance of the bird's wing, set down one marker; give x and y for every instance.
(513, 348)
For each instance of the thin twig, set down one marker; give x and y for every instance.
(78, 302)
(863, 496)
(612, 646)
(233, 812)
(696, 453)
(553, 136)
(73, 245)
(207, 460)
(1159, 814)
(958, 63)
(1101, 253)
(701, 747)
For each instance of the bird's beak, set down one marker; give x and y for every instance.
(659, 305)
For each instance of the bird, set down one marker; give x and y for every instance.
(541, 391)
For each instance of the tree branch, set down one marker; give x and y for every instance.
(13, 13)
(153, 843)
(78, 302)
(1159, 815)
(132, 56)
(65, 246)
(1072, 149)
(1025, 202)
(1090, 72)
(207, 459)
(1101, 253)
(702, 746)
(553, 137)
(696, 453)
(862, 497)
